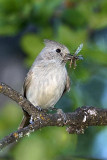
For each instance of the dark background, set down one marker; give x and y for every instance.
(23, 26)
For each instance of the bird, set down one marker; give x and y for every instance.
(48, 79)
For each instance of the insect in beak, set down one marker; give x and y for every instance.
(73, 58)
(68, 57)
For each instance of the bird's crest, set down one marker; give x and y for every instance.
(51, 43)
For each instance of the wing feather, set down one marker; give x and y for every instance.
(67, 86)
(27, 83)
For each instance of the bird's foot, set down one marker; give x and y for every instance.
(60, 111)
(39, 108)
(52, 109)
(31, 120)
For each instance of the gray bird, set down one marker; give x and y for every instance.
(47, 80)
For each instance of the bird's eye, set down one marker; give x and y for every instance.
(58, 50)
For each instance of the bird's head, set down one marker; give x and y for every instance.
(55, 51)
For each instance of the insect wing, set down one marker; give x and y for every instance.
(79, 49)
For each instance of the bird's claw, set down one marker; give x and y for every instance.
(60, 111)
(39, 108)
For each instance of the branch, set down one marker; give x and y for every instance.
(76, 121)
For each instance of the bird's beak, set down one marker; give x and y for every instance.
(68, 57)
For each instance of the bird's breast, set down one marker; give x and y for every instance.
(47, 87)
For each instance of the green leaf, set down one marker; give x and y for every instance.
(77, 19)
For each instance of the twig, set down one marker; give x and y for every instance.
(76, 121)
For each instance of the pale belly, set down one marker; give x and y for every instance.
(45, 91)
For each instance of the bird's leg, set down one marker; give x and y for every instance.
(59, 111)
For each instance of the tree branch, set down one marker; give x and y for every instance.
(76, 121)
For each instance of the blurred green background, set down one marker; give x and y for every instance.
(23, 26)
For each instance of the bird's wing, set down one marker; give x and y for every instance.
(26, 118)
(67, 86)
(27, 83)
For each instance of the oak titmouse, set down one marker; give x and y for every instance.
(47, 80)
